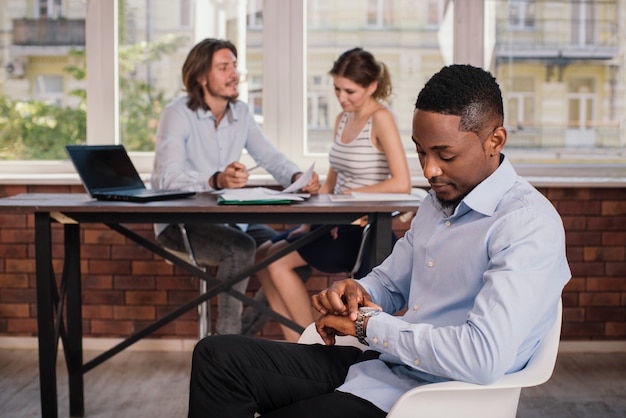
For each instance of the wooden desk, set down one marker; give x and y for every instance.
(72, 210)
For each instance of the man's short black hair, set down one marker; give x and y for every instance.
(466, 91)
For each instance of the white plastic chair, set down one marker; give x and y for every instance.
(468, 400)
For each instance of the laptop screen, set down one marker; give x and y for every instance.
(104, 168)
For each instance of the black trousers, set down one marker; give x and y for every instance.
(237, 376)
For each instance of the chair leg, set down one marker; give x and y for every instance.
(204, 309)
(204, 313)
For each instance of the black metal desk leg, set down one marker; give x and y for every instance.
(381, 247)
(45, 316)
(74, 349)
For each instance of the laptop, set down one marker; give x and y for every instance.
(108, 174)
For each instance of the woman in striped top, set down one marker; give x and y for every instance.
(366, 156)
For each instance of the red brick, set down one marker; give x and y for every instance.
(186, 328)
(177, 283)
(567, 193)
(111, 267)
(19, 266)
(587, 268)
(13, 251)
(575, 254)
(12, 189)
(13, 221)
(151, 267)
(134, 282)
(587, 330)
(616, 330)
(599, 299)
(91, 281)
(616, 269)
(97, 312)
(608, 193)
(146, 297)
(178, 297)
(14, 310)
(606, 283)
(18, 295)
(102, 237)
(131, 252)
(19, 281)
(574, 223)
(606, 223)
(583, 238)
(595, 314)
(612, 208)
(604, 253)
(96, 252)
(133, 312)
(17, 236)
(22, 326)
(578, 207)
(103, 297)
(576, 284)
(573, 314)
(614, 238)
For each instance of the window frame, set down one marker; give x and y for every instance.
(284, 67)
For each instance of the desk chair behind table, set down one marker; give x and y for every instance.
(252, 320)
(204, 309)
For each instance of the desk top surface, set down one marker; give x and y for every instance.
(200, 203)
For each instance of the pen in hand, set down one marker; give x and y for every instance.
(253, 168)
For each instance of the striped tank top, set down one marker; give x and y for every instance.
(358, 163)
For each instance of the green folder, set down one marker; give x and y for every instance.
(270, 201)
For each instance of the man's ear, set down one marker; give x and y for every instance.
(498, 139)
(202, 80)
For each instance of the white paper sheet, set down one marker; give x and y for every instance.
(302, 181)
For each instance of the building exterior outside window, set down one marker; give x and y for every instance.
(560, 64)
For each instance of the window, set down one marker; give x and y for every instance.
(563, 80)
(49, 89)
(379, 13)
(520, 112)
(522, 14)
(255, 14)
(408, 46)
(583, 22)
(435, 13)
(185, 13)
(52, 9)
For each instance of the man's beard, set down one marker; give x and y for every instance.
(231, 97)
(450, 205)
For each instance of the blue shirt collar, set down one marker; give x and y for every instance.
(485, 197)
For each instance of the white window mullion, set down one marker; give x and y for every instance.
(102, 72)
(284, 99)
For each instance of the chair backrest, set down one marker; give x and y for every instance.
(361, 254)
(498, 400)
(460, 399)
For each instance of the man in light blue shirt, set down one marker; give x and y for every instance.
(200, 139)
(467, 294)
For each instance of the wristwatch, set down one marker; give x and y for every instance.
(364, 312)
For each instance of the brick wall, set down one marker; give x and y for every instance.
(125, 287)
